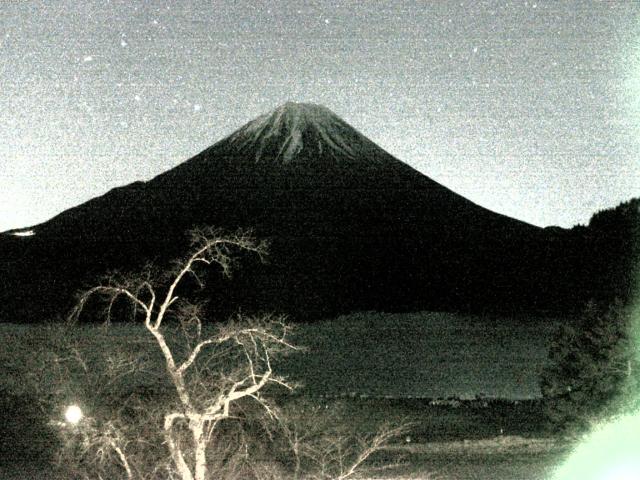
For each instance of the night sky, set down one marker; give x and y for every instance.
(531, 109)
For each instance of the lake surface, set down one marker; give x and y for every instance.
(433, 355)
(425, 355)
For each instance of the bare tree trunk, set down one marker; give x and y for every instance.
(174, 449)
(200, 446)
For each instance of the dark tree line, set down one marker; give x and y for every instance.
(594, 363)
(608, 254)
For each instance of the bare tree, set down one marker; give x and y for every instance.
(215, 373)
(325, 449)
(254, 340)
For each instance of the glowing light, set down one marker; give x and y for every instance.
(611, 452)
(24, 233)
(73, 414)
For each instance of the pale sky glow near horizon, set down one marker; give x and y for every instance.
(528, 108)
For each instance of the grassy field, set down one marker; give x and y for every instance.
(364, 369)
(506, 458)
(466, 441)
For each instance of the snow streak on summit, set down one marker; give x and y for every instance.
(300, 130)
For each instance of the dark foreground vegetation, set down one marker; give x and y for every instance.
(456, 438)
(593, 372)
(448, 439)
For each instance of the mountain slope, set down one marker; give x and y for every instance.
(351, 228)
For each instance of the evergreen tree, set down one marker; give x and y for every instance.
(593, 369)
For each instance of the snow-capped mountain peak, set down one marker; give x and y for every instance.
(295, 129)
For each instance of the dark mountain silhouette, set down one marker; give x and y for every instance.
(351, 228)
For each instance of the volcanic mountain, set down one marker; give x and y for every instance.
(350, 227)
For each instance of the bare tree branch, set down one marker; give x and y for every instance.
(216, 375)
